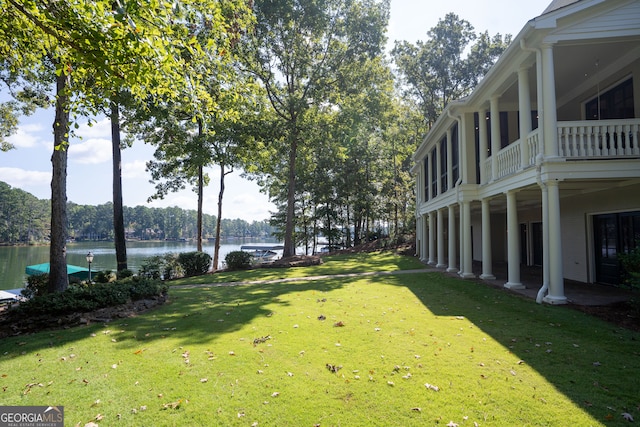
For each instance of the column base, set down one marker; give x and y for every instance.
(550, 299)
(467, 275)
(452, 270)
(441, 265)
(487, 277)
(511, 285)
(431, 263)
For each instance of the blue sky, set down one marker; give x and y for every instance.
(89, 170)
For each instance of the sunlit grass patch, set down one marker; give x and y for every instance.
(333, 264)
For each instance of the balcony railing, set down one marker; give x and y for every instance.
(599, 139)
(584, 140)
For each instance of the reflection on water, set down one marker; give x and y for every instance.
(14, 259)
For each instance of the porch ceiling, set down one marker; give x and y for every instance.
(531, 197)
(579, 68)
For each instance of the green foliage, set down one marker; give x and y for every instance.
(631, 264)
(309, 57)
(106, 276)
(123, 274)
(36, 285)
(88, 297)
(194, 263)
(86, 222)
(23, 217)
(238, 260)
(165, 267)
(448, 65)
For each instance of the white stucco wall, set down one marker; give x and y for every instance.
(577, 232)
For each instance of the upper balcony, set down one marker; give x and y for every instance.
(577, 140)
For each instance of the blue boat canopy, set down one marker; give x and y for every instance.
(81, 273)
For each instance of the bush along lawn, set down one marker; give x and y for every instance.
(407, 350)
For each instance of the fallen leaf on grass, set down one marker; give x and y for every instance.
(627, 416)
(416, 409)
(432, 387)
(452, 424)
(333, 368)
(275, 394)
(172, 405)
(339, 324)
(261, 340)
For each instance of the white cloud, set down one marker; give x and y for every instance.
(100, 129)
(134, 170)
(248, 206)
(91, 151)
(21, 178)
(28, 135)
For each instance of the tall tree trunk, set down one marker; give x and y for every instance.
(200, 202)
(58, 279)
(216, 250)
(289, 244)
(200, 192)
(118, 210)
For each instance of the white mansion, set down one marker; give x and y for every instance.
(540, 164)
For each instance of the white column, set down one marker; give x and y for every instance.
(466, 267)
(487, 258)
(524, 106)
(449, 161)
(424, 239)
(452, 240)
(440, 239)
(437, 153)
(545, 243)
(556, 274)
(550, 130)
(513, 243)
(432, 237)
(495, 136)
(420, 184)
(484, 144)
(428, 190)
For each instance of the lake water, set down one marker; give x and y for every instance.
(14, 259)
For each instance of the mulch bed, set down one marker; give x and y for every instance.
(623, 314)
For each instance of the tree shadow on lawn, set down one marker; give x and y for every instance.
(592, 362)
(197, 315)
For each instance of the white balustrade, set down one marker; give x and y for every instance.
(598, 139)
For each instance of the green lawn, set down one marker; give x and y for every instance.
(394, 350)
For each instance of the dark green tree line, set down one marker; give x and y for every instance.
(25, 219)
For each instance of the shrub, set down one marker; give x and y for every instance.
(238, 260)
(89, 297)
(105, 276)
(123, 274)
(194, 263)
(36, 285)
(151, 267)
(163, 267)
(631, 265)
